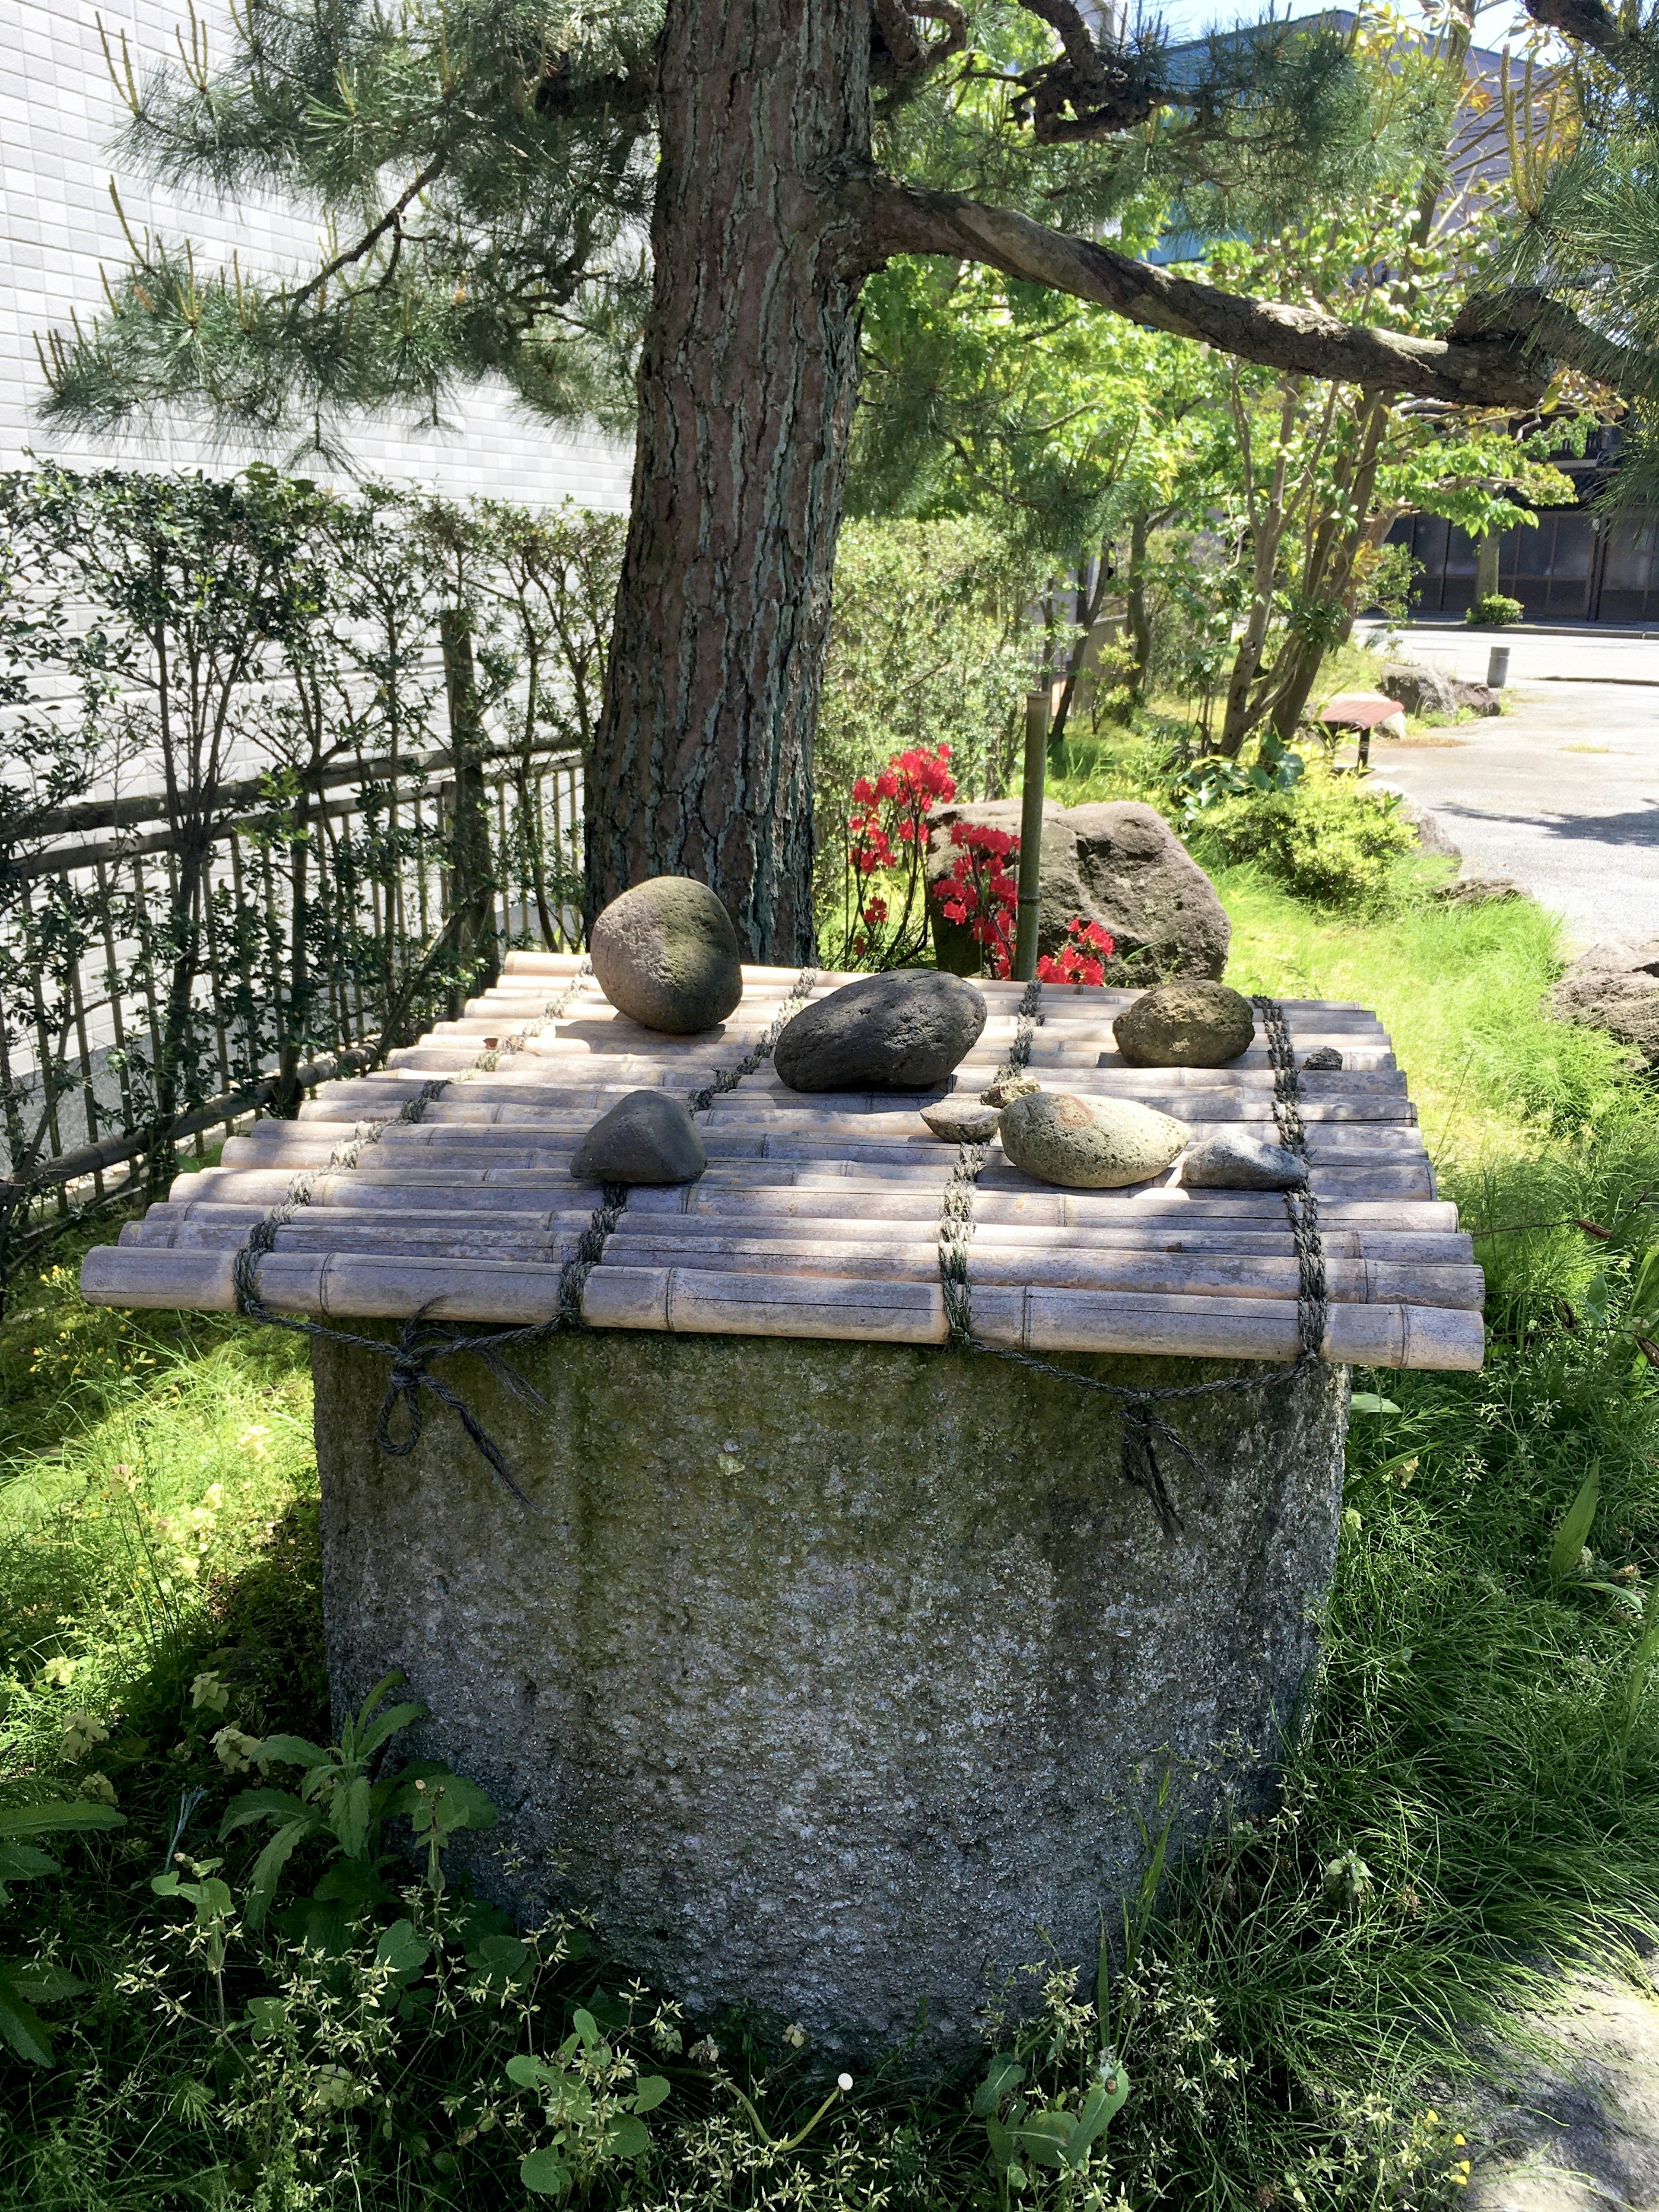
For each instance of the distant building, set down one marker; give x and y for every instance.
(59, 112)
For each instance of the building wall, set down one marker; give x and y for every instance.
(59, 113)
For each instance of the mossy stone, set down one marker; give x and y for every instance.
(1089, 1144)
(665, 953)
(1186, 1024)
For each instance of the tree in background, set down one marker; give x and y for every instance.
(484, 169)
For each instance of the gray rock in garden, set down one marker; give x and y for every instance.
(1119, 864)
(1479, 890)
(962, 1121)
(647, 1137)
(900, 1032)
(1419, 691)
(1089, 1144)
(1006, 1088)
(1234, 1162)
(1185, 1024)
(1478, 698)
(1326, 1062)
(1615, 987)
(1431, 836)
(835, 1680)
(665, 953)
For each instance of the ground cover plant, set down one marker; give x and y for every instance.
(1473, 1795)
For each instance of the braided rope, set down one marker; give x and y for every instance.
(420, 1341)
(1144, 1429)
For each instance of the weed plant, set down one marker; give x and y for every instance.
(1473, 1795)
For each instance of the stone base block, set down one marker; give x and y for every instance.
(828, 1675)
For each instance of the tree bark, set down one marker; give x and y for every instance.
(703, 762)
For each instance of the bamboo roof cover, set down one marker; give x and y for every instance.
(819, 1215)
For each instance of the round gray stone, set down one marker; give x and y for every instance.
(962, 1121)
(648, 1137)
(1235, 1162)
(665, 953)
(831, 1718)
(1187, 1023)
(1089, 1144)
(1326, 1062)
(900, 1032)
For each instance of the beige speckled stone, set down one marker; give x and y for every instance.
(1089, 1144)
(828, 1675)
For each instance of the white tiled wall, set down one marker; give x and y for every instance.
(59, 113)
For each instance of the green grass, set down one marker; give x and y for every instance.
(1475, 1792)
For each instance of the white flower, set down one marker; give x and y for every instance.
(844, 2083)
(207, 1692)
(233, 1748)
(81, 1732)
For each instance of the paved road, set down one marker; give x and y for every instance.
(1562, 792)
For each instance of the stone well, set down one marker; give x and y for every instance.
(828, 1676)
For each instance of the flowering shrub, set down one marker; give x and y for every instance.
(884, 918)
(1082, 959)
(981, 894)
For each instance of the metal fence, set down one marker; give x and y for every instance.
(320, 933)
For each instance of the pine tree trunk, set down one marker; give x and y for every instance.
(703, 762)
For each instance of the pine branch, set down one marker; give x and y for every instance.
(1503, 369)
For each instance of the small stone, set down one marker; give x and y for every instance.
(962, 1121)
(1240, 1163)
(666, 954)
(1326, 1062)
(1007, 1088)
(647, 1137)
(905, 1031)
(1479, 890)
(1186, 1024)
(1089, 1144)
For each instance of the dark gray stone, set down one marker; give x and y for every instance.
(828, 1675)
(1235, 1162)
(1431, 833)
(1089, 1144)
(648, 1137)
(1478, 698)
(1185, 1024)
(962, 1121)
(1479, 890)
(1326, 1062)
(1419, 691)
(1119, 864)
(900, 1032)
(665, 953)
(1615, 987)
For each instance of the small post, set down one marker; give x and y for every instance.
(1498, 668)
(1031, 835)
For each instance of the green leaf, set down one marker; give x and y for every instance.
(45, 1983)
(1003, 2074)
(292, 1751)
(259, 1805)
(267, 1867)
(267, 2015)
(48, 1819)
(395, 1718)
(627, 2137)
(1045, 2136)
(1001, 2140)
(527, 2071)
(650, 2093)
(586, 2027)
(1367, 1401)
(20, 2026)
(545, 2172)
(349, 1814)
(1574, 1531)
(22, 1861)
(498, 1954)
(403, 1950)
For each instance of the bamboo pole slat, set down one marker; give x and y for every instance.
(819, 1215)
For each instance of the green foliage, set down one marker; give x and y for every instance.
(1328, 839)
(24, 1984)
(1495, 610)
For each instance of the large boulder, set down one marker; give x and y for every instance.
(1419, 691)
(905, 1031)
(1118, 863)
(1615, 987)
(665, 953)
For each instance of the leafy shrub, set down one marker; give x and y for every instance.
(1494, 610)
(1330, 839)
